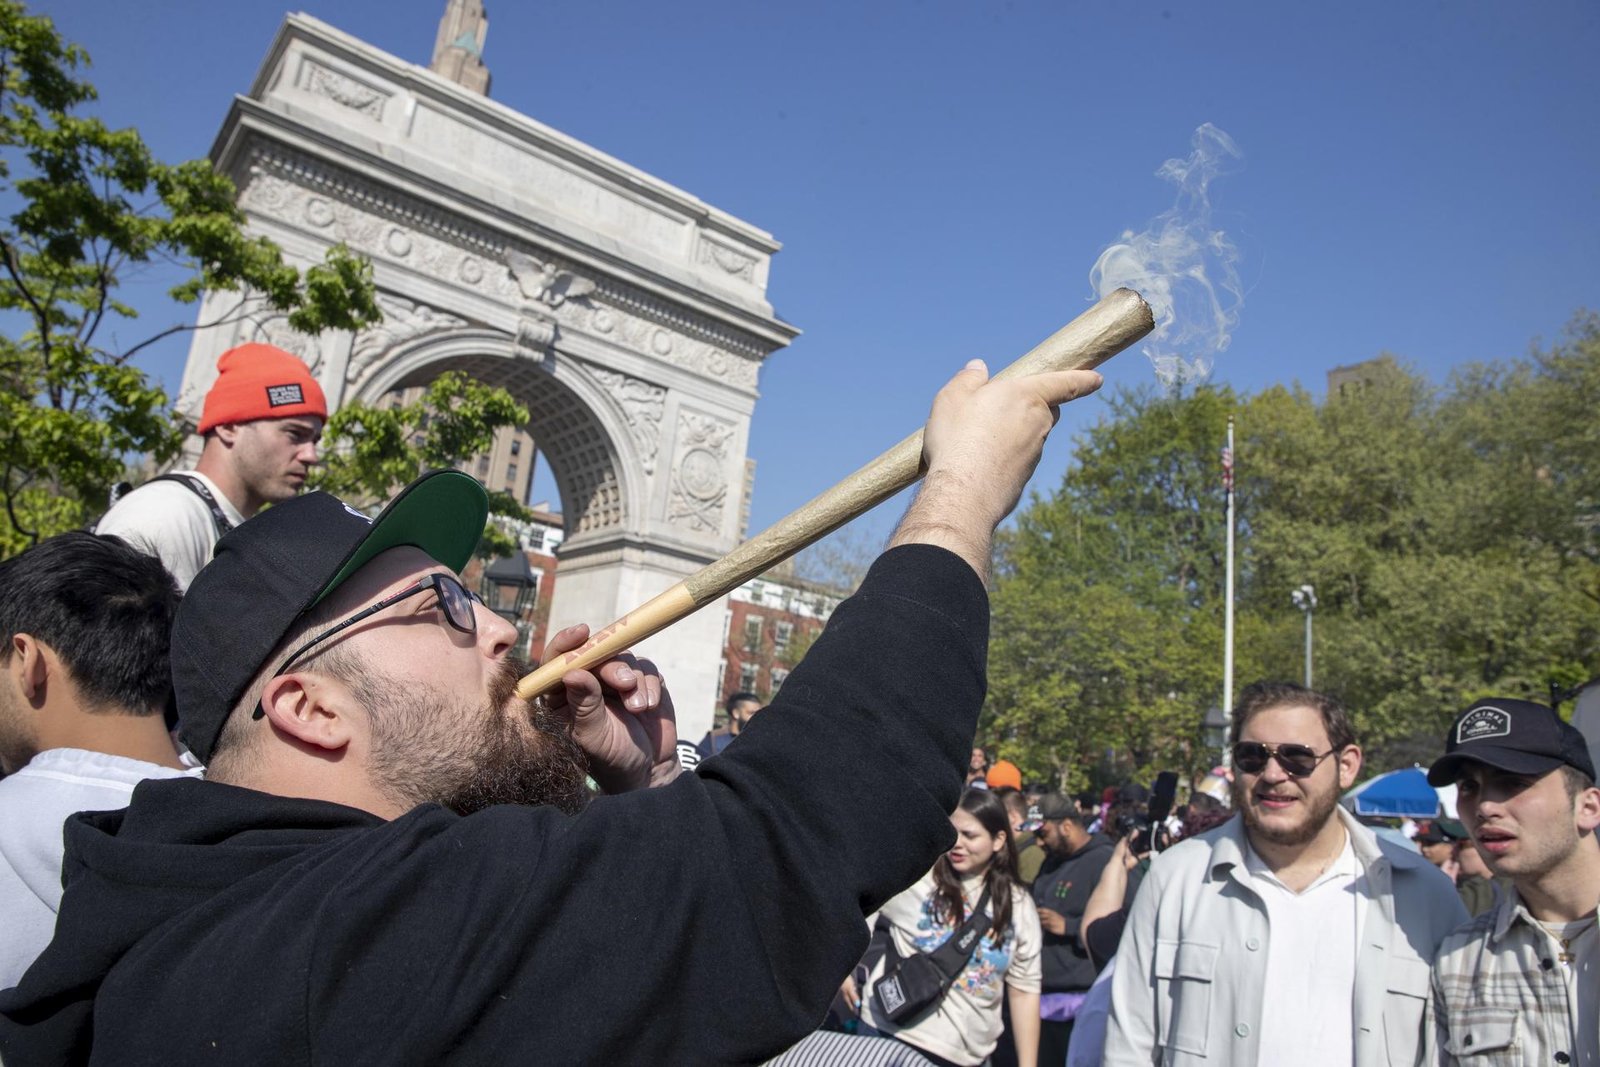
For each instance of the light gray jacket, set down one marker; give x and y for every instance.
(1192, 963)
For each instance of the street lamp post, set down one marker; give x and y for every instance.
(1305, 598)
(1214, 729)
(509, 586)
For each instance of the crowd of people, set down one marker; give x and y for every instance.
(360, 845)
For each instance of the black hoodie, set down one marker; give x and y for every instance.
(1064, 885)
(709, 921)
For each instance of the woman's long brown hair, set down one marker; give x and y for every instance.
(949, 905)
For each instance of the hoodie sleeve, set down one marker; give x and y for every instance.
(708, 921)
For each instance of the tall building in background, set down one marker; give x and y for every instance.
(458, 50)
(770, 623)
(507, 466)
(1353, 376)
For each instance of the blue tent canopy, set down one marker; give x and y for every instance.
(1397, 794)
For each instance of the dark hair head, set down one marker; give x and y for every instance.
(739, 698)
(990, 811)
(1575, 781)
(106, 610)
(1199, 820)
(1264, 696)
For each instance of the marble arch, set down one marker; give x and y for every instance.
(582, 429)
(630, 316)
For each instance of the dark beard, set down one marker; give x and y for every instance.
(1319, 809)
(513, 767)
(503, 764)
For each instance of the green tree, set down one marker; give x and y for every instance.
(1107, 594)
(94, 206)
(374, 451)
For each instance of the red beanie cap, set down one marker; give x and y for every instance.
(257, 381)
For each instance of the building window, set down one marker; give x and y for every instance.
(779, 676)
(752, 632)
(781, 633)
(747, 677)
(722, 674)
(511, 474)
(516, 448)
(483, 467)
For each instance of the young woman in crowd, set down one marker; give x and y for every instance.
(964, 1027)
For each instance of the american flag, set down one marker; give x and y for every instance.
(1227, 469)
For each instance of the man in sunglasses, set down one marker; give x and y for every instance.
(1521, 982)
(1290, 934)
(392, 859)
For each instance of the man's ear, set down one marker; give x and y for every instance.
(1349, 759)
(31, 666)
(228, 434)
(1586, 806)
(312, 709)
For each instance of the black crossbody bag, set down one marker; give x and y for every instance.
(912, 984)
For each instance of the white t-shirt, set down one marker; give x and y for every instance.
(34, 803)
(170, 522)
(966, 1025)
(1308, 1012)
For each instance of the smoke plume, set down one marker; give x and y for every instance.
(1182, 266)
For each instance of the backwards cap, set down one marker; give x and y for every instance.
(257, 381)
(270, 571)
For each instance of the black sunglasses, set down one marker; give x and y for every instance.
(1297, 761)
(454, 601)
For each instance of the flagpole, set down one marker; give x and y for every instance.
(1227, 626)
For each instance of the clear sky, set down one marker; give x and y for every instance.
(1419, 177)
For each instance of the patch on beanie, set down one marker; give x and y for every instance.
(1483, 722)
(280, 395)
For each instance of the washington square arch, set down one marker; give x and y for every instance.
(630, 317)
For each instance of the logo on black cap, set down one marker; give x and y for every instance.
(1483, 722)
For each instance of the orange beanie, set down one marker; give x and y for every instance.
(1004, 772)
(257, 381)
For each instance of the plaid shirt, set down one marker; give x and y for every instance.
(1499, 994)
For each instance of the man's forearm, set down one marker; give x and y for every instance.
(943, 514)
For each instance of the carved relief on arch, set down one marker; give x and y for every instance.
(643, 405)
(549, 296)
(403, 320)
(273, 328)
(699, 487)
(343, 90)
(574, 429)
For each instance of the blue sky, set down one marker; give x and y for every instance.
(1419, 177)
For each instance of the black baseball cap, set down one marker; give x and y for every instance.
(1441, 830)
(268, 572)
(1517, 736)
(1055, 806)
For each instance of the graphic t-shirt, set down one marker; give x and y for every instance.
(965, 1026)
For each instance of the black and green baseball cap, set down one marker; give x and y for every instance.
(268, 572)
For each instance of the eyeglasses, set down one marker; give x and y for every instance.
(454, 600)
(1297, 761)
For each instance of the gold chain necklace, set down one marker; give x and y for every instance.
(1566, 955)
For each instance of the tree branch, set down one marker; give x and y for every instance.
(147, 342)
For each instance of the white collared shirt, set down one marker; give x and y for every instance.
(1308, 1013)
